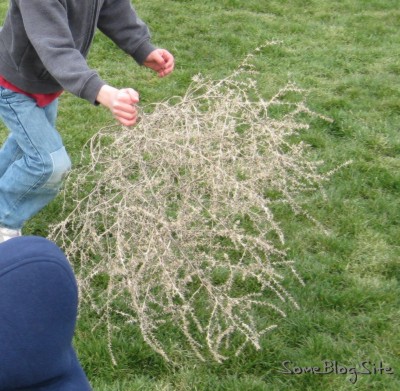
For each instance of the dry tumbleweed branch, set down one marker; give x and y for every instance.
(174, 216)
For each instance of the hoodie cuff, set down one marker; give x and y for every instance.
(91, 89)
(143, 51)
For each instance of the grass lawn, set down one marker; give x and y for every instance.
(347, 55)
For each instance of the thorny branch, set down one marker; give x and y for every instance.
(175, 214)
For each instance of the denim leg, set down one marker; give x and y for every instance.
(34, 178)
(51, 112)
(9, 153)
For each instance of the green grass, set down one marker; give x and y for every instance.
(347, 55)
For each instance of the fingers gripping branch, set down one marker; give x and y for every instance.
(121, 103)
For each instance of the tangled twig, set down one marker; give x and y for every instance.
(174, 216)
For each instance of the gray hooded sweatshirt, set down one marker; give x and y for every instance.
(44, 43)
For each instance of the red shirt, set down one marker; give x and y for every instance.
(41, 99)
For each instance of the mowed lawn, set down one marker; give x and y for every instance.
(346, 54)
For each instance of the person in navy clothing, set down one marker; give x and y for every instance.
(38, 310)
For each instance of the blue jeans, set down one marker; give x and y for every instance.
(33, 160)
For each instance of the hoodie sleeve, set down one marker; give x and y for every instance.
(46, 25)
(118, 20)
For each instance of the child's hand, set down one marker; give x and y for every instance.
(121, 103)
(161, 61)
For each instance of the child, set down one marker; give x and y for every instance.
(43, 46)
(38, 309)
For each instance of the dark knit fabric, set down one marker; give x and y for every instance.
(38, 308)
